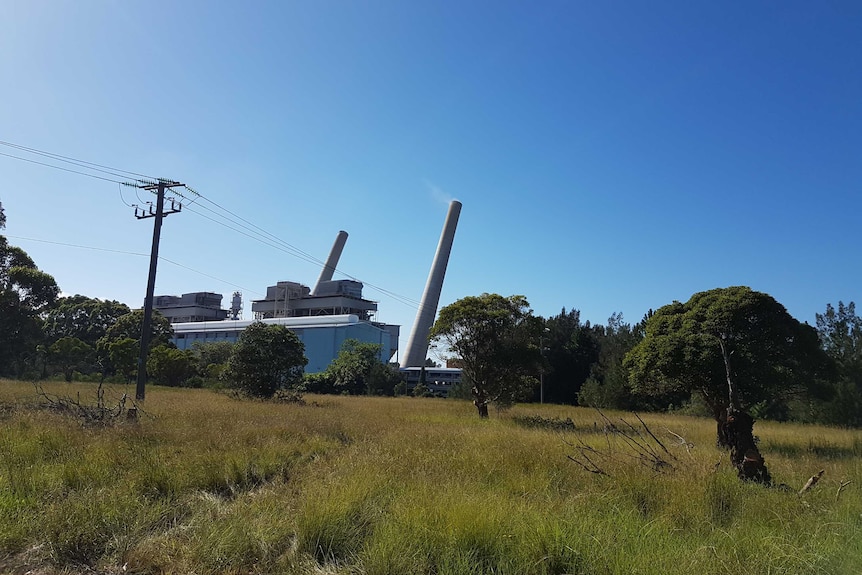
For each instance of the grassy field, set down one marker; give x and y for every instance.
(208, 484)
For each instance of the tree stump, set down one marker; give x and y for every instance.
(744, 455)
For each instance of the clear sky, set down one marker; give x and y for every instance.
(610, 156)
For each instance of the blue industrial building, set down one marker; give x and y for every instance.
(323, 317)
(322, 336)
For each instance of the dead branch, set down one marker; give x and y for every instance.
(89, 415)
(841, 486)
(812, 482)
(682, 441)
(640, 443)
(656, 439)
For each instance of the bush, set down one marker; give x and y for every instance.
(265, 359)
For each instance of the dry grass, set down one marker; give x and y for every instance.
(207, 484)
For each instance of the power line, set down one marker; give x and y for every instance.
(122, 199)
(68, 159)
(288, 248)
(139, 254)
(255, 232)
(62, 168)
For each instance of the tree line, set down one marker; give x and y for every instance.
(728, 348)
(88, 339)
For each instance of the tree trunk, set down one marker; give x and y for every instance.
(722, 440)
(719, 413)
(480, 400)
(744, 455)
(483, 409)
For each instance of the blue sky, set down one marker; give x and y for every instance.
(610, 156)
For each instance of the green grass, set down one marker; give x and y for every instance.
(208, 484)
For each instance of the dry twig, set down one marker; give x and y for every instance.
(812, 482)
(841, 486)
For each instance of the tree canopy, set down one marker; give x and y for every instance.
(130, 324)
(265, 359)
(496, 340)
(84, 318)
(356, 370)
(25, 293)
(840, 333)
(734, 346)
(69, 354)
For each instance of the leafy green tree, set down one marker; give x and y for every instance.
(170, 366)
(607, 385)
(123, 355)
(734, 346)
(358, 370)
(496, 340)
(737, 348)
(840, 332)
(211, 359)
(571, 348)
(212, 353)
(69, 354)
(84, 318)
(128, 326)
(25, 294)
(265, 359)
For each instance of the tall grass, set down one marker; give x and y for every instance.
(207, 484)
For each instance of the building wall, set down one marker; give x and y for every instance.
(438, 379)
(322, 337)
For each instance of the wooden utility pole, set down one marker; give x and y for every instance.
(158, 213)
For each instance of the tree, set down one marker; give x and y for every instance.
(69, 354)
(735, 347)
(25, 294)
(571, 349)
(211, 358)
(123, 355)
(130, 324)
(358, 370)
(266, 358)
(79, 316)
(170, 366)
(608, 385)
(840, 334)
(496, 340)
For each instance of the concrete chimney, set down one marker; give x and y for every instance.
(417, 345)
(331, 261)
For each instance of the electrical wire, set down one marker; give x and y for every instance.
(62, 168)
(139, 254)
(122, 199)
(79, 163)
(289, 248)
(252, 230)
(302, 255)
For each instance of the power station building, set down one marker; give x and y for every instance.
(322, 336)
(322, 317)
(197, 306)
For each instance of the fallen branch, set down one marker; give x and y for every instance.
(812, 482)
(89, 415)
(841, 487)
(682, 441)
(640, 444)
